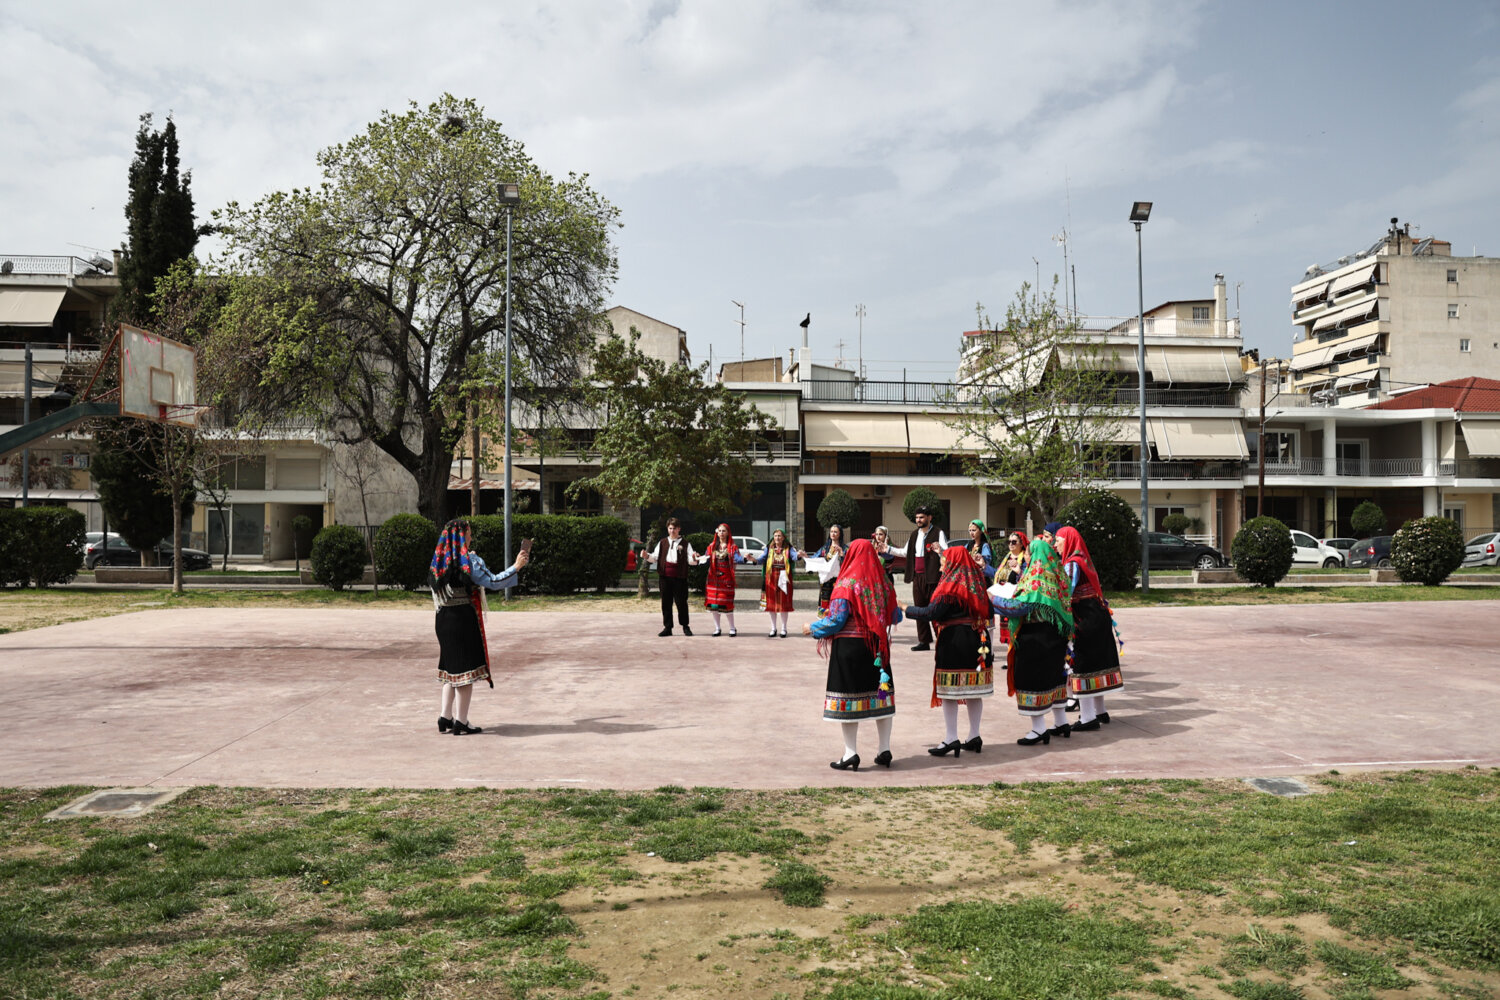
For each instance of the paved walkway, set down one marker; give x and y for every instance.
(292, 698)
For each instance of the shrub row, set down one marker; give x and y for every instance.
(568, 553)
(40, 546)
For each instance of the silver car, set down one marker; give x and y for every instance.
(1483, 550)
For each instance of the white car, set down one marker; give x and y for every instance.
(1483, 550)
(750, 546)
(1308, 551)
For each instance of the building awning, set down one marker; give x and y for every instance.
(30, 306)
(1309, 292)
(71, 496)
(1199, 437)
(1344, 317)
(854, 432)
(1123, 432)
(44, 376)
(1101, 357)
(1345, 381)
(1314, 358)
(1196, 365)
(1359, 276)
(1482, 437)
(1354, 345)
(929, 434)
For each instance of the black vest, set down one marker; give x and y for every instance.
(932, 569)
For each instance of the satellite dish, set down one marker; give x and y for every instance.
(100, 264)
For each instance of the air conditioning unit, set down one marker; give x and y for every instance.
(882, 491)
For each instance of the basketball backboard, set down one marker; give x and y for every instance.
(158, 378)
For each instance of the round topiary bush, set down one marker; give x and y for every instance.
(1426, 550)
(1176, 524)
(1112, 531)
(1368, 520)
(838, 507)
(43, 545)
(338, 556)
(922, 497)
(403, 550)
(1262, 551)
(698, 575)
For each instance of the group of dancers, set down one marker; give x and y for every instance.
(1041, 600)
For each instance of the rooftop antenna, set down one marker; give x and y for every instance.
(859, 313)
(840, 346)
(1062, 238)
(742, 333)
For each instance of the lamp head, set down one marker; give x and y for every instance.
(1140, 211)
(510, 194)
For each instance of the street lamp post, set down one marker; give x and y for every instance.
(510, 197)
(1140, 212)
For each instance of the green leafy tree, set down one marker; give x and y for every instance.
(666, 436)
(922, 497)
(378, 299)
(1111, 530)
(1368, 520)
(159, 224)
(838, 507)
(1036, 405)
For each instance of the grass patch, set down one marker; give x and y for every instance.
(798, 884)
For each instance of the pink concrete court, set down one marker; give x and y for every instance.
(347, 698)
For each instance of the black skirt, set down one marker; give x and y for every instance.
(853, 690)
(960, 672)
(460, 646)
(1096, 654)
(1041, 654)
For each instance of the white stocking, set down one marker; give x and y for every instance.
(716, 620)
(1059, 716)
(464, 694)
(851, 739)
(730, 616)
(1039, 723)
(950, 720)
(783, 620)
(976, 710)
(883, 731)
(445, 702)
(1088, 708)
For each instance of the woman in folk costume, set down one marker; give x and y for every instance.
(833, 551)
(1042, 623)
(776, 588)
(855, 637)
(1013, 563)
(1096, 646)
(979, 549)
(884, 552)
(964, 671)
(458, 579)
(718, 596)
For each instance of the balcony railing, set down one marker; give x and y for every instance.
(1379, 468)
(893, 466)
(950, 394)
(1178, 397)
(73, 267)
(1131, 471)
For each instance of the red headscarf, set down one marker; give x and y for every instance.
(963, 581)
(862, 583)
(1071, 547)
(713, 545)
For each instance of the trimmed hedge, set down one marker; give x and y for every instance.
(1112, 531)
(1427, 550)
(40, 546)
(1262, 551)
(338, 556)
(403, 550)
(568, 554)
(1176, 524)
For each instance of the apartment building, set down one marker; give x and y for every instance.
(1399, 313)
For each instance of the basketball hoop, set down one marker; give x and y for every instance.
(158, 378)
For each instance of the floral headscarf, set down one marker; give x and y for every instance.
(1043, 585)
(962, 581)
(1071, 548)
(450, 560)
(862, 583)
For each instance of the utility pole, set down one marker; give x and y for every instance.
(742, 336)
(859, 313)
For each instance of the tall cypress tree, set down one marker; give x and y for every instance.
(159, 226)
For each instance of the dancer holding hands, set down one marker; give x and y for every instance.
(963, 672)
(718, 595)
(1041, 622)
(833, 551)
(776, 588)
(1096, 644)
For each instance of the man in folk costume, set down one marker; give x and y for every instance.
(1095, 658)
(672, 556)
(923, 568)
(458, 579)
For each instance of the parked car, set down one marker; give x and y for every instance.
(750, 546)
(1308, 551)
(1174, 551)
(1483, 550)
(1342, 544)
(94, 541)
(124, 555)
(1371, 552)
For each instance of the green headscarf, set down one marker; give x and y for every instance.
(1043, 585)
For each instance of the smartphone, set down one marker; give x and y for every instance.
(526, 546)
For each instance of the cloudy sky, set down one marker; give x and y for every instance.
(915, 158)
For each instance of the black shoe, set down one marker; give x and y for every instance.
(884, 758)
(717, 633)
(444, 724)
(732, 633)
(1063, 731)
(1031, 739)
(463, 728)
(783, 635)
(973, 745)
(944, 749)
(1103, 717)
(1086, 727)
(664, 633)
(686, 630)
(919, 647)
(1071, 706)
(852, 764)
(771, 634)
